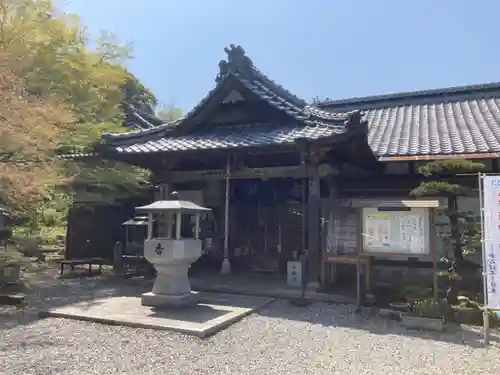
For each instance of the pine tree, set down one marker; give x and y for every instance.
(465, 234)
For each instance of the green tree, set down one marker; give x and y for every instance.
(169, 113)
(465, 232)
(29, 129)
(137, 97)
(48, 56)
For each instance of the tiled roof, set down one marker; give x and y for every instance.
(231, 137)
(450, 121)
(471, 126)
(304, 113)
(457, 120)
(306, 120)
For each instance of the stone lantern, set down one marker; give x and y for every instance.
(173, 254)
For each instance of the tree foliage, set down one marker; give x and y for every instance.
(169, 113)
(450, 167)
(29, 129)
(464, 235)
(465, 231)
(436, 188)
(58, 96)
(137, 97)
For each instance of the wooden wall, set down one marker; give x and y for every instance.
(93, 230)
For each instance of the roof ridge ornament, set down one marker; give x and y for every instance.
(237, 60)
(356, 123)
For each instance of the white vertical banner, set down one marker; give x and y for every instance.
(491, 248)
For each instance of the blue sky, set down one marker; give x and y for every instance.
(325, 48)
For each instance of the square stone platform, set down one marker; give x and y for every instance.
(213, 313)
(165, 301)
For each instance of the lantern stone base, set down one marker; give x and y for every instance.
(226, 267)
(167, 300)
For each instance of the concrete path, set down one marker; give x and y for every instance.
(214, 313)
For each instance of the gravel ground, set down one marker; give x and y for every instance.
(280, 339)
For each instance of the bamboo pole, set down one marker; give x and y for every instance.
(486, 318)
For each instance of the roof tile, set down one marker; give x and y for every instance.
(457, 127)
(233, 137)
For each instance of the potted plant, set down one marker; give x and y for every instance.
(467, 312)
(414, 293)
(425, 314)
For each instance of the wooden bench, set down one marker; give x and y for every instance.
(11, 299)
(78, 262)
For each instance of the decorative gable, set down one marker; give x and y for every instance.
(233, 97)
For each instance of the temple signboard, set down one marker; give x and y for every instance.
(220, 174)
(396, 232)
(295, 171)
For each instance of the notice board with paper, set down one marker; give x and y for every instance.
(396, 232)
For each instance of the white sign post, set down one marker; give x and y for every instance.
(489, 193)
(294, 273)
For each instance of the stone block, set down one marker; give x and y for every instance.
(163, 300)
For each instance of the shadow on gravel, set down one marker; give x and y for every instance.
(44, 291)
(345, 316)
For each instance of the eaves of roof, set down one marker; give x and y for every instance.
(234, 137)
(306, 118)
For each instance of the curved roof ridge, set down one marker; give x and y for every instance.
(142, 120)
(159, 129)
(307, 108)
(240, 65)
(279, 88)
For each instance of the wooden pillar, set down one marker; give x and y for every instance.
(162, 177)
(303, 202)
(226, 265)
(333, 194)
(69, 232)
(313, 225)
(359, 249)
